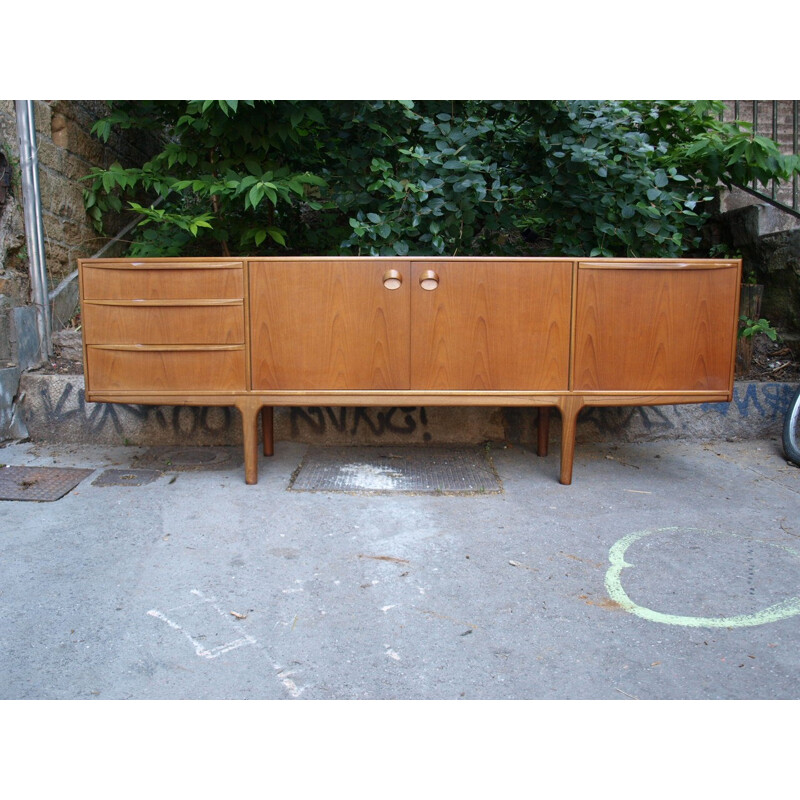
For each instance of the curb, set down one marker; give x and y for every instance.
(54, 410)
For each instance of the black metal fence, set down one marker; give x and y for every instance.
(777, 119)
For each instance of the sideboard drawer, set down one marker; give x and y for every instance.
(132, 280)
(163, 322)
(160, 369)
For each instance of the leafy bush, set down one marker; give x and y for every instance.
(429, 177)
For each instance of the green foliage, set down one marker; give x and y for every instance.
(609, 184)
(225, 168)
(434, 181)
(750, 328)
(612, 178)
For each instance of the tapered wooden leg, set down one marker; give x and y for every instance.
(266, 430)
(543, 441)
(249, 412)
(569, 408)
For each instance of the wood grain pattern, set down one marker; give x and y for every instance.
(492, 326)
(107, 323)
(160, 281)
(493, 331)
(328, 325)
(153, 369)
(655, 330)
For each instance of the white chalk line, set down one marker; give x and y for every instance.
(201, 651)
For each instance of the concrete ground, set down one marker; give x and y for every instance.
(666, 570)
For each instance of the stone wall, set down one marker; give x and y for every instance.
(55, 410)
(66, 151)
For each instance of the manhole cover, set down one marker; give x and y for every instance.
(126, 477)
(192, 458)
(417, 470)
(40, 484)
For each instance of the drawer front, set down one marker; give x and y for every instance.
(113, 323)
(162, 280)
(141, 369)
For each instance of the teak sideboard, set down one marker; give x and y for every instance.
(255, 333)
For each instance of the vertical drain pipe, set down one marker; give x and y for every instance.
(34, 230)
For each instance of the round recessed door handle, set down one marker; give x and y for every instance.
(392, 279)
(428, 280)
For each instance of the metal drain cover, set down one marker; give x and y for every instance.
(417, 470)
(39, 484)
(126, 477)
(191, 458)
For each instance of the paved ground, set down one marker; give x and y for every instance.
(198, 586)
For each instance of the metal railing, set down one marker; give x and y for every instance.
(777, 119)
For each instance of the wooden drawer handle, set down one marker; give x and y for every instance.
(392, 279)
(428, 280)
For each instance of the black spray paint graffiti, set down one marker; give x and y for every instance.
(768, 401)
(179, 419)
(379, 422)
(613, 420)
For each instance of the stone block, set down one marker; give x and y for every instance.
(60, 260)
(56, 411)
(61, 197)
(64, 302)
(11, 424)
(25, 337)
(42, 118)
(6, 322)
(68, 344)
(87, 147)
(59, 130)
(50, 155)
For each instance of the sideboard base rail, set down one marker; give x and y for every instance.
(253, 407)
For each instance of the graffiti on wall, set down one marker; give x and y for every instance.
(65, 404)
(71, 407)
(764, 402)
(403, 420)
(768, 400)
(612, 420)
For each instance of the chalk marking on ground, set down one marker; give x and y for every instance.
(199, 649)
(281, 673)
(391, 653)
(778, 611)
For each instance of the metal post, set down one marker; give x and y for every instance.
(34, 229)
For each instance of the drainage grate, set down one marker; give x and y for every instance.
(192, 458)
(411, 470)
(126, 477)
(39, 484)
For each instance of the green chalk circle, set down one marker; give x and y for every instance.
(774, 613)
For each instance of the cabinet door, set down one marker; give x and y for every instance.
(329, 325)
(490, 325)
(655, 327)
